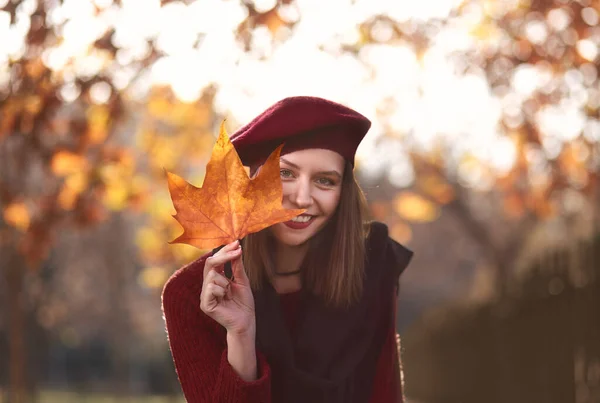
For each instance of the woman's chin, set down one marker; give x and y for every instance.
(292, 240)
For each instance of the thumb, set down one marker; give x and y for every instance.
(239, 272)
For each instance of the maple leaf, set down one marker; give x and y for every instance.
(229, 205)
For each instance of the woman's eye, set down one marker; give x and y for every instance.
(325, 181)
(285, 173)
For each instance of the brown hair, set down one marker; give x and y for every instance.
(337, 276)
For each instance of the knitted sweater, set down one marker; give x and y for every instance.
(199, 348)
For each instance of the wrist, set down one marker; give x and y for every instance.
(244, 332)
(242, 355)
(245, 338)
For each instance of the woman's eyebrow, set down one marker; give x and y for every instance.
(332, 172)
(289, 163)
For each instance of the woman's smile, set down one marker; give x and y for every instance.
(300, 222)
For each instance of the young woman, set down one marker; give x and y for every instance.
(309, 315)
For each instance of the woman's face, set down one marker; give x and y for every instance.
(311, 180)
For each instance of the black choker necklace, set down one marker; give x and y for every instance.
(289, 273)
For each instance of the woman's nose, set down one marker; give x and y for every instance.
(302, 196)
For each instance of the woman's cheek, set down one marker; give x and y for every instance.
(287, 188)
(334, 204)
(331, 200)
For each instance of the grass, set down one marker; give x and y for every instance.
(72, 397)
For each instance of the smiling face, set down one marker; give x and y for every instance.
(311, 180)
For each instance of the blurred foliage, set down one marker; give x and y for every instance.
(82, 110)
(171, 136)
(54, 153)
(554, 175)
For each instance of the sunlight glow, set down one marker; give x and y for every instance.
(262, 6)
(100, 92)
(592, 130)
(587, 49)
(590, 16)
(536, 31)
(4, 33)
(526, 79)
(406, 10)
(563, 122)
(558, 19)
(419, 98)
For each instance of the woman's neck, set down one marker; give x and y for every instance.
(289, 258)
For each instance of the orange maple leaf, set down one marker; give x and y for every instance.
(229, 205)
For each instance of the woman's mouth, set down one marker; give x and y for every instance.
(300, 222)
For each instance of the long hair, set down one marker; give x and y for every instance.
(333, 267)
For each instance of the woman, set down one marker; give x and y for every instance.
(309, 315)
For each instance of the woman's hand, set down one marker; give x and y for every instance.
(230, 303)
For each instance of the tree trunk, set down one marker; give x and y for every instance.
(118, 276)
(14, 276)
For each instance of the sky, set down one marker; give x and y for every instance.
(415, 100)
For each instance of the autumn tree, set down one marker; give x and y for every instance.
(551, 123)
(539, 59)
(59, 112)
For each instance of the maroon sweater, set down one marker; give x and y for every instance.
(199, 348)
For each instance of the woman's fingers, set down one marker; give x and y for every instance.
(216, 286)
(219, 259)
(216, 290)
(217, 278)
(239, 272)
(210, 294)
(231, 246)
(226, 254)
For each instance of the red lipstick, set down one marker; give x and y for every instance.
(299, 225)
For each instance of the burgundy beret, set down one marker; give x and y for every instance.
(300, 123)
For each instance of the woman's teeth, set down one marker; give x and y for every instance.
(304, 218)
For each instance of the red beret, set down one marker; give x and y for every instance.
(300, 123)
